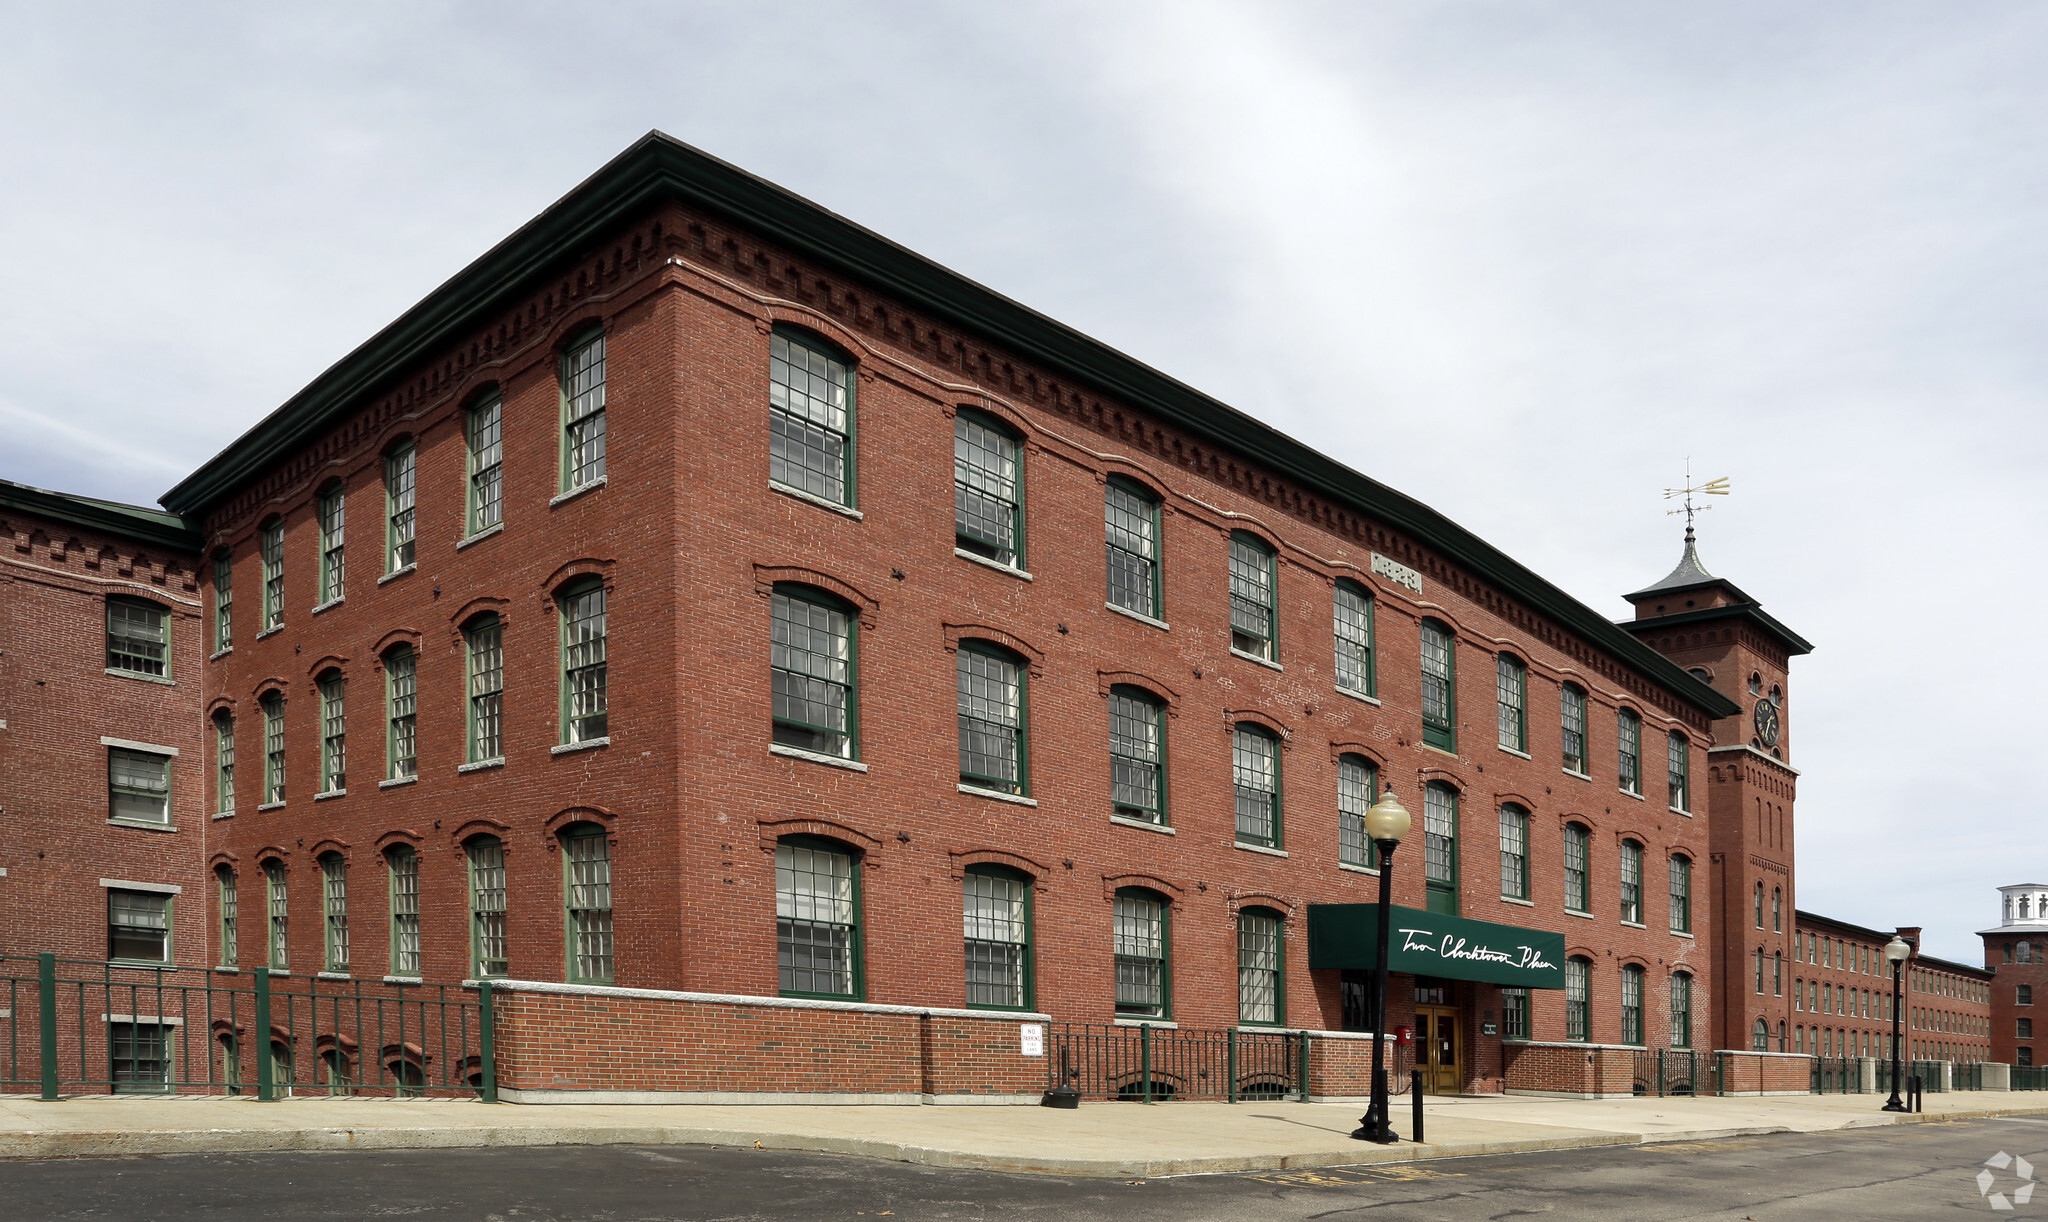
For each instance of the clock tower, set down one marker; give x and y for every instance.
(1726, 640)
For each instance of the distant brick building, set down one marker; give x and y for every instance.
(2016, 953)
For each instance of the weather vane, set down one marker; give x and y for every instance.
(1713, 487)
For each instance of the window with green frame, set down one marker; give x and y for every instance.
(334, 910)
(1514, 852)
(1511, 684)
(271, 543)
(582, 607)
(1131, 528)
(1440, 848)
(139, 926)
(817, 918)
(810, 416)
(1352, 617)
(400, 489)
(402, 863)
(1578, 998)
(1572, 716)
(484, 647)
(1137, 754)
(1628, 726)
(1255, 773)
(272, 705)
(583, 435)
(994, 719)
(1577, 867)
(229, 901)
(814, 672)
(988, 490)
(138, 786)
(996, 929)
(1631, 882)
(223, 763)
(331, 515)
(140, 1057)
(1142, 947)
(489, 954)
(1514, 1014)
(1631, 1004)
(333, 732)
(587, 903)
(483, 430)
(223, 601)
(1681, 1010)
(1357, 790)
(138, 637)
(401, 713)
(1439, 687)
(1261, 968)
(1678, 763)
(1254, 582)
(279, 930)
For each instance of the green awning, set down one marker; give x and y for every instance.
(1431, 944)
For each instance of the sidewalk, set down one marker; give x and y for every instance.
(1099, 1139)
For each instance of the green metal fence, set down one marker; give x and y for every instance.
(78, 1026)
(1148, 1063)
(1677, 1071)
(1837, 1076)
(2030, 1077)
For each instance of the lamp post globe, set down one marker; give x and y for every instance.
(1386, 822)
(1896, 951)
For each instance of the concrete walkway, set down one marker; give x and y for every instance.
(1099, 1139)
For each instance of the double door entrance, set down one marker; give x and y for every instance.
(1439, 1052)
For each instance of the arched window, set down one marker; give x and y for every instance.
(138, 637)
(2023, 952)
(400, 489)
(483, 644)
(489, 954)
(1131, 529)
(1514, 852)
(334, 1072)
(333, 733)
(1777, 974)
(1681, 893)
(1759, 905)
(1261, 964)
(1760, 1036)
(228, 903)
(817, 918)
(988, 491)
(272, 705)
(1759, 961)
(993, 713)
(1254, 582)
(401, 713)
(334, 911)
(1137, 755)
(1678, 764)
(1255, 769)
(996, 929)
(1142, 944)
(1572, 715)
(331, 512)
(1353, 616)
(1631, 1004)
(403, 865)
(584, 700)
(271, 542)
(483, 431)
(279, 915)
(1439, 687)
(1629, 736)
(1357, 790)
(1681, 1010)
(223, 601)
(223, 763)
(1512, 701)
(810, 416)
(583, 439)
(1777, 909)
(1799, 993)
(1631, 882)
(587, 902)
(1577, 864)
(813, 660)
(1578, 998)
(1440, 847)
(1781, 1035)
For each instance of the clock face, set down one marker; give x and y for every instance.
(1767, 722)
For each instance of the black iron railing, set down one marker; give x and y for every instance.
(1150, 1063)
(1677, 1071)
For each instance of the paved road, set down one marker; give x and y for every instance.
(1909, 1172)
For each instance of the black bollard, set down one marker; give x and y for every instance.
(1415, 1090)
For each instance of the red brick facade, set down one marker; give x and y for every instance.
(2016, 953)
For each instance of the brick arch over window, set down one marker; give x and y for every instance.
(275, 685)
(552, 585)
(274, 852)
(1365, 751)
(767, 577)
(1258, 717)
(998, 857)
(1504, 797)
(1148, 481)
(852, 347)
(1034, 660)
(338, 663)
(218, 705)
(1106, 679)
(1150, 882)
(1260, 899)
(568, 817)
(574, 327)
(223, 858)
(473, 828)
(399, 836)
(773, 830)
(1026, 433)
(481, 605)
(394, 638)
(328, 845)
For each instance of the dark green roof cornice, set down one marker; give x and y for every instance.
(1768, 624)
(659, 167)
(108, 517)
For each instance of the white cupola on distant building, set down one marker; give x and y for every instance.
(2023, 904)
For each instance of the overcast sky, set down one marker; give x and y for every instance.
(1519, 260)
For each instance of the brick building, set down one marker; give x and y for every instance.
(1842, 996)
(2016, 953)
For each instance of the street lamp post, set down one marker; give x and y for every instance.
(1385, 823)
(1896, 950)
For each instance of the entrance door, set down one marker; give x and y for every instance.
(1437, 1050)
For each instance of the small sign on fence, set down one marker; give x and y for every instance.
(1031, 1039)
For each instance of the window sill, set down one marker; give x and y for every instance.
(1235, 652)
(145, 826)
(1583, 776)
(1142, 825)
(1140, 616)
(332, 976)
(396, 781)
(563, 498)
(1573, 912)
(1521, 903)
(480, 765)
(1358, 869)
(1372, 700)
(813, 498)
(1633, 925)
(588, 744)
(330, 603)
(330, 793)
(816, 757)
(1440, 750)
(270, 806)
(495, 528)
(1679, 810)
(1008, 570)
(131, 745)
(1259, 848)
(402, 979)
(1630, 793)
(218, 654)
(1520, 755)
(1681, 934)
(154, 965)
(223, 814)
(997, 794)
(395, 574)
(166, 680)
(270, 632)
(1166, 1023)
